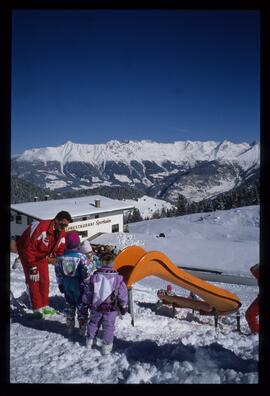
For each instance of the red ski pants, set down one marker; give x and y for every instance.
(38, 291)
(251, 316)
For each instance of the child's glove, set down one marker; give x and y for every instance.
(34, 274)
(123, 310)
(61, 288)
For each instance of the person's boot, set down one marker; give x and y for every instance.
(88, 342)
(69, 313)
(82, 327)
(97, 342)
(37, 314)
(106, 349)
(70, 323)
(48, 311)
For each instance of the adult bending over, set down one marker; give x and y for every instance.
(37, 247)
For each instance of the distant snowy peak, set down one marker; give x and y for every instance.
(126, 151)
(198, 170)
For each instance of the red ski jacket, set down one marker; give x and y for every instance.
(38, 241)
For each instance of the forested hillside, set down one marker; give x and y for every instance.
(244, 195)
(23, 191)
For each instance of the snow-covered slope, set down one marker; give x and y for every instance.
(159, 349)
(227, 241)
(148, 205)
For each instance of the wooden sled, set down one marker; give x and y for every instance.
(183, 302)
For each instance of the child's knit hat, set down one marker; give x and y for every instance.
(86, 247)
(72, 239)
(169, 288)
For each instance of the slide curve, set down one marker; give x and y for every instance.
(134, 264)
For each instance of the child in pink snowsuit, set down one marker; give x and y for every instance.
(106, 295)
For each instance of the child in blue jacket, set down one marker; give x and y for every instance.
(73, 271)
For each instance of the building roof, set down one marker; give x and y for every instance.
(81, 206)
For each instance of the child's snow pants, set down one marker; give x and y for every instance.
(107, 320)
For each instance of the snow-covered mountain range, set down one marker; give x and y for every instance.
(195, 169)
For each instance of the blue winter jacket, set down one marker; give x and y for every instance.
(73, 271)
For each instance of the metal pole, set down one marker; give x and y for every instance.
(216, 320)
(173, 312)
(130, 305)
(238, 321)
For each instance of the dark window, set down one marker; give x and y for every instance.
(115, 228)
(18, 219)
(29, 219)
(96, 216)
(11, 217)
(84, 218)
(83, 234)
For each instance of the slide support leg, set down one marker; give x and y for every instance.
(130, 305)
(174, 310)
(238, 321)
(216, 320)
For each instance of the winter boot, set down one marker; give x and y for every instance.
(69, 313)
(48, 311)
(70, 323)
(97, 342)
(89, 342)
(106, 349)
(37, 314)
(82, 326)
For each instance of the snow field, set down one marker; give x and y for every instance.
(185, 349)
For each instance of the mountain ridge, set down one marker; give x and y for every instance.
(180, 151)
(195, 169)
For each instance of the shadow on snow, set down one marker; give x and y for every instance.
(213, 356)
(52, 324)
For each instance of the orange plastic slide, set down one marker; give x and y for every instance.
(134, 263)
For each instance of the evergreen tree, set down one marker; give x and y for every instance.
(156, 214)
(134, 216)
(181, 205)
(163, 212)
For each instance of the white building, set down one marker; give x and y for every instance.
(92, 215)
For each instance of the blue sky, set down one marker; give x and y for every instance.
(90, 76)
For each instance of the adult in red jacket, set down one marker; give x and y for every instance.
(37, 247)
(253, 310)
